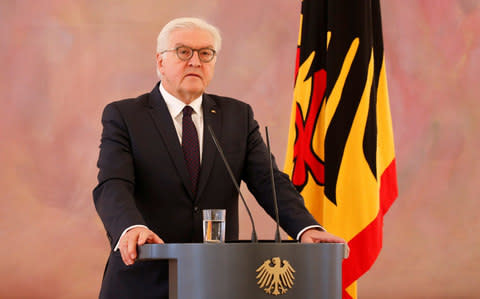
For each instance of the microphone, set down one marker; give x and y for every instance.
(274, 192)
(225, 162)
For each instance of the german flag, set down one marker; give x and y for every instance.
(341, 153)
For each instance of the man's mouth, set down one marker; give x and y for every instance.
(193, 75)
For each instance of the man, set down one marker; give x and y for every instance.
(158, 166)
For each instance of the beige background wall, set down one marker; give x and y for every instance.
(63, 60)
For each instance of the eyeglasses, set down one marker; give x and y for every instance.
(186, 53)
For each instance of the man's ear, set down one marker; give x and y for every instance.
(159, 58)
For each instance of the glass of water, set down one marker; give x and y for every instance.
(214, 226)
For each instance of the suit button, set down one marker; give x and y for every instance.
(196, 209)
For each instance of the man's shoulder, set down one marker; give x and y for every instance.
(128, 107)
(129, 102)
(226, 101)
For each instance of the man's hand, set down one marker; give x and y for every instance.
(133, 237)
(314, 235)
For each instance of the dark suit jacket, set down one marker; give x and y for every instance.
(143, 179)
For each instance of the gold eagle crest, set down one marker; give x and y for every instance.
(274, 277)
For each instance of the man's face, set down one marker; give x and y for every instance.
(186, 80)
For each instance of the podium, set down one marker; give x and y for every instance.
(251, 270)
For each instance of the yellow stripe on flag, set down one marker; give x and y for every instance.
(359, 202)
(386, 151)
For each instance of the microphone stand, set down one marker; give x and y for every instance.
(274, 192)
(232, 176)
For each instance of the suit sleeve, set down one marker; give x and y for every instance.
(114, 195)
(292, 212)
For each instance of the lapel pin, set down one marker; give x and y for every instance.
(213, 111)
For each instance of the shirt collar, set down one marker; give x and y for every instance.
(175, 106)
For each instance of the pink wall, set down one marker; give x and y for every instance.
(62, 61)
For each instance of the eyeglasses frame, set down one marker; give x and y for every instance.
(193, 52)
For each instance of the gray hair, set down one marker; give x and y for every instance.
(186, 23)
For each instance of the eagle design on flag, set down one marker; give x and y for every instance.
(276, 279)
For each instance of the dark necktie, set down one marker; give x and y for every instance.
(191, 150)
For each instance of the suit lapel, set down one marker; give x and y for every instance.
(211, 117)
(164, 123)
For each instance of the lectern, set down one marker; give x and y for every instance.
(251, 270)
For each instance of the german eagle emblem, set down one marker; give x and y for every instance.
(274, 277)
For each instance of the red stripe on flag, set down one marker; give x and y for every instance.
(388, 187)
(366, 245)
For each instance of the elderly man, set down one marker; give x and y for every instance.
(158, 166)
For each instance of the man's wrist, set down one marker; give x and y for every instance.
(125, 231)
(299, 235)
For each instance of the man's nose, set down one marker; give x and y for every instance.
(195, 59)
